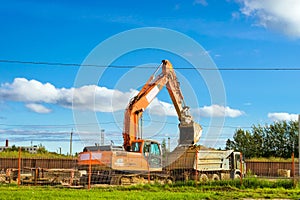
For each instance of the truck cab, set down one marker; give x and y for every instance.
(238, 165)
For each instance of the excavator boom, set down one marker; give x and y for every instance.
(190, 131)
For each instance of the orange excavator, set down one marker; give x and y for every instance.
(139, 160)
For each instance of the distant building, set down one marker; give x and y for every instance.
(30, 149)
(3, 148)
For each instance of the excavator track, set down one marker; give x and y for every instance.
(135, 179)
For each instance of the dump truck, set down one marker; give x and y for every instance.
(193, 163)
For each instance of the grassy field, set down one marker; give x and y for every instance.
(15, 154)
(272, 159)
(251, 188)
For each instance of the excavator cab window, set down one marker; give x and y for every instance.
(152, 153)
(146, 149)
(151, 148)
(155, 149)
(136, 146)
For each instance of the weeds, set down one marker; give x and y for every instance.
(223, 185)
(229, 189)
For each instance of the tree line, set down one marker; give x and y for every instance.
(279, 139)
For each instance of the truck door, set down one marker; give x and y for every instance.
(241, 167)
(237, 158)
(235, 165)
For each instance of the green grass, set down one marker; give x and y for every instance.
(248, 183)
(15, 154)
(271, 159)
(251, 188)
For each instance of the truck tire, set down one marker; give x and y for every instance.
(83, 180)
(215, 177)
(169, 180)
(203, 178)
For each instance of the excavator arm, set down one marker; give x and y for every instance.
(190, 132)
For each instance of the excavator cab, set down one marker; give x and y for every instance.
(151, 151)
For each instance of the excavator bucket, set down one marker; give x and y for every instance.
(189, 134)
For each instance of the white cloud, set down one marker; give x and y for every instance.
(99, 99)
(29, 91)
(38, 108)
(280, 15)
(282, 116)
(93, 98)
(217, 111)
(161, 108)
(90, 97)
(158, 107)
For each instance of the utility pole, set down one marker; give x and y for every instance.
(71, 140)
(102, 137)
(141, 134)
(169, 144)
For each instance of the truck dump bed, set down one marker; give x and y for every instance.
(184, 157)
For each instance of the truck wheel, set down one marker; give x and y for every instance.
(215, 177)
(169, 180)
(237, 176)
(83, 180)
(203, 178)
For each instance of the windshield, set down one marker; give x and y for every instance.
(151, 148)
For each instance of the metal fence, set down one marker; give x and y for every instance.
(176, 167)
(38, 171)
(50, 163)
(273, 169)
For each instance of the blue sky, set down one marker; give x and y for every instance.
(35, 100)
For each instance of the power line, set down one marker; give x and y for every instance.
(150, 67)
(58, 125)
(108, 122)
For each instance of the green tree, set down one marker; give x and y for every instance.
(279, 139)
(14, 148)
(41, 149)
(242, 141)
(257, 140)
(230, 145)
